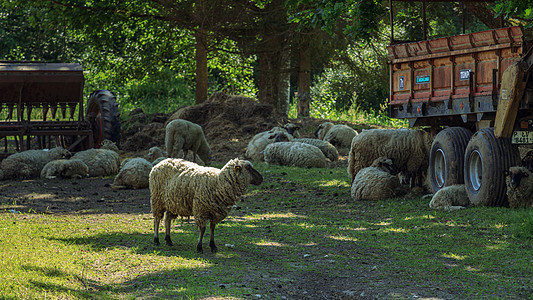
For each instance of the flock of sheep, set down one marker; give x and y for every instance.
(380, 161)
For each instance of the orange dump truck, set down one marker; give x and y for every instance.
(476, 86)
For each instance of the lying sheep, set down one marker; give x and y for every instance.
(110, 145)
(65, 168)
(294, 154)
(327, 148)
(449, 198)
(377, 182)
(29, 163)
(292, 129)
(184, 135)
(155, 153)
(101, 162)
(133, 174)
(409, 149)
(519, 182)
(338, 135)
(182, 188)
(263, 139)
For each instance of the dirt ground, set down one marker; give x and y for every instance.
(229, 123)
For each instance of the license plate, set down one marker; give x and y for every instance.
(522, 137)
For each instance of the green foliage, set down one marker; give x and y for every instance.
(520, 9)
(523, 228)
(162, 92)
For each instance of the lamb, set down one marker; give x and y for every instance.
(338, 135)
(294, 154)
(65, 168)
(519, 182)
(409, 149)
(155, 153)
(184, 135)
(110, 145)
(450, 198)
(263, 139)
(101, 162)
(292, 129)
(377, 182)
(182, 188)
(133, 174)
(29, 163)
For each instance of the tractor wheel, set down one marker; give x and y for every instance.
(103, 115)
(486, 160)
(446, 157)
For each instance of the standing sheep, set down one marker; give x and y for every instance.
(377, 182)
(184, 135)
(29, 163)
(65, 168)
(133, 174)
(338, 135)
(519, 182)
(182, 188)
(263, 139)
(449, 198)
(294, 154)
(101, 162)
(409, 149)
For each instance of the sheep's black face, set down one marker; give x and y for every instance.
(516, 178)
(317, 130)
(257, 178)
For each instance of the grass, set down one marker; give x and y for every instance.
(299, 231)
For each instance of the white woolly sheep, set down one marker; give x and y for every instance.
(182, 188)
(184, 135)
(263, 139)
(377, 182)
(294, 154)
(449, 198)
(101, 162)
(408, 149)
(108, 144)
(133, 174)
(29, 163)
(65, 168)
(338, 135)
(519, 182)
(327, 148)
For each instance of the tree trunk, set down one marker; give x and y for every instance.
(269, 83)
(304, 80)
(201, 66)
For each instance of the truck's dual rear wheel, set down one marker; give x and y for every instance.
(479, 161)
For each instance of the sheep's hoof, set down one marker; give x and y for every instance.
(168, 240)
(156, 241)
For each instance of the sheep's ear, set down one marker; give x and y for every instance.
(237, 168)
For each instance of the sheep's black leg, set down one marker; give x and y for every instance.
(212, 238)
(168, 221)
(199, 247)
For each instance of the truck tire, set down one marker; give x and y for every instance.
(103, 115)
(486, 160)
(447, 156)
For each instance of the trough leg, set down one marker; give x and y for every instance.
(214, 248)
(199, 247)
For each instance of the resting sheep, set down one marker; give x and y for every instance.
(409, 150)
(338, 135)
(182, 188)
(133, 174)
(101, 162)
(108, 144)
(65, 168)
(449, 198)
(29, 163)
(155, 153)
(377, 182)
(292, 129)
(263, 139)
(184, 135)
(519, 182)
(294, 154)
(327, 148)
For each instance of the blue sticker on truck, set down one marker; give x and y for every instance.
(422, 79)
